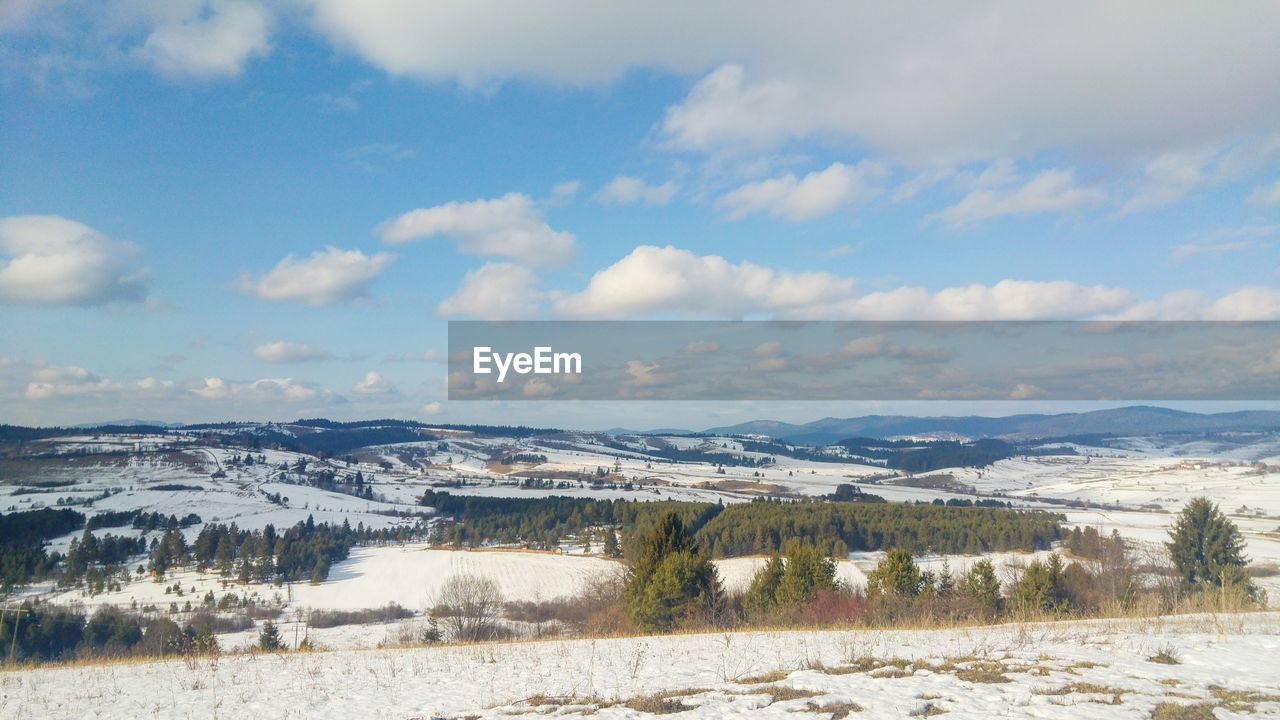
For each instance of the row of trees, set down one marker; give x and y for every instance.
(760, 527)
(36, 632)
(673, 583)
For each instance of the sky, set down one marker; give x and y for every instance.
(243, 209)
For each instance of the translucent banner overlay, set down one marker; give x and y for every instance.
(784, 360)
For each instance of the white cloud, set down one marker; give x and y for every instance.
(626, 190)
(565, 191)
(980, 80)
(281, 351)
(53, 381)
(329, 276)
(214, 388)
(1250, 303)
(374, 384)
(511, 226)
(816, 194)
(50, 260)
(215, 41)
(1168, 179)
(652, 280)
(1192, 249)
(264, 390)
(952, 80)
(1048, 191)
(1266, 195)
(1005, 300)
(494, 291)
(431, 408)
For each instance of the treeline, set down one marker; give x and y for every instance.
(22, 538)
(44, 633)
(764, 526)
(305, 551)
(759, 527)
(544, 522)
(671, 453)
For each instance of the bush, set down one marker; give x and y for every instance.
(335, 618)
(468, 608)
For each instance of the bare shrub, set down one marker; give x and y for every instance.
(335, 618)
(469, 607)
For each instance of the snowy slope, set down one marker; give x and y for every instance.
(1057, 671)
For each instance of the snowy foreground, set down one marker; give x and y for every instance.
(1050, 670)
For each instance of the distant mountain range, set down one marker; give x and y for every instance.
(1136, 420)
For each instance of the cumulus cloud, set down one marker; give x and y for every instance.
(1250, 303)
(511, 226)
(1005, 300)
(328, 276)
(626, 190)
(215, 41)
(265, 389)
(816, 194)
(1048, 191)
(494, 291)
(281, 351)
(50, 260)
(652, 280)
(1266, 195)
(374, 384)
(54, 381)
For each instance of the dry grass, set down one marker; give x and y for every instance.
(986, 672)
(1241, 700)
(1168, 655)
(782, 693)
(1174, 711)
(664, 703)
(768, 677)
(929, 710)
(838, 711)
(1085, 688)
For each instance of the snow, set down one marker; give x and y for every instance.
(1056, 671)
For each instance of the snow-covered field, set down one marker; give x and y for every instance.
(1065, 670)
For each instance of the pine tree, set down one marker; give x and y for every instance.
(1041, 588)
(763, 592)
(1206, 547)
(269, 638)
(807, 573)
(980, 585)
(895, 574)
(611, 548)
(672, 580)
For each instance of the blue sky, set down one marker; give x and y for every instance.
(234, 209)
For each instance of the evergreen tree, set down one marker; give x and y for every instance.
(895, 574)
(269, 638)
(1041, 588)
(763, 592)
(807, 572)
(611, 548)
(1206, 547)
(672, 580)
(980, 585)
